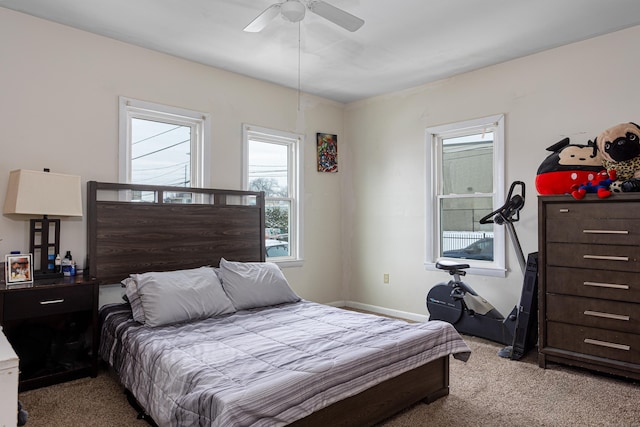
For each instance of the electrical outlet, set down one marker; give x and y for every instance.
(386, 277)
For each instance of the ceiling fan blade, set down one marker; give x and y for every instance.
(263, 19)
(336, 15)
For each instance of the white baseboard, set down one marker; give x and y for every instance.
(381, 310)
(337, 303)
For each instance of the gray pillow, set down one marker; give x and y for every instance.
(178, 296)
(255, 284)
(131, 290)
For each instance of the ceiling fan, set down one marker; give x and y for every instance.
(294, 10)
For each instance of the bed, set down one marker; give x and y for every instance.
(269, 357)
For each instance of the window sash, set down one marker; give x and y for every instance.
(200, 131)
(435, 137)
(155, 156)
(294, 145)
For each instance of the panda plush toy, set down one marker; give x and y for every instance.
(619, 148)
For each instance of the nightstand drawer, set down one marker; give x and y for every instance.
(595, 342)
(597, 313)
(44, 302)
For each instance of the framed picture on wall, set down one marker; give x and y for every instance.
(18, 268)
(327, 147)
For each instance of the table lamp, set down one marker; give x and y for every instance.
(43, 193)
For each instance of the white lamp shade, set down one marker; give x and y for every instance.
(43, 193)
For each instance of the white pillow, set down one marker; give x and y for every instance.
(178, 296)
(255, 284)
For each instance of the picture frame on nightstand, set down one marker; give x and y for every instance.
(18, 268)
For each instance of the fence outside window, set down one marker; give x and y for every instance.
(461, 239)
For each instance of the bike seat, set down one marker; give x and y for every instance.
(450, 266)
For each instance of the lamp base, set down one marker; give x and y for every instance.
(40, 244)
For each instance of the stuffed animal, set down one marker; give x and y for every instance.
(601, 186)
(22, 415)
(567, 167)
(619, 147)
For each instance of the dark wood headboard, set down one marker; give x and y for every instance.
(172, 228)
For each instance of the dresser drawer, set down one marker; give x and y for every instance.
(619, 346)
(594, 231)
(37, 302)
(613, 208)
(619, 286)
(597, 313)
(599, 257)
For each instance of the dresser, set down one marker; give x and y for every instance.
(52, 326)
(589, 282)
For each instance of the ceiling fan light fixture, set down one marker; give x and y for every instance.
(292, 10)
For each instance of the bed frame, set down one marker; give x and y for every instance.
(163, 233)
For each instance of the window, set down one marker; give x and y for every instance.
(161, 145)
(465, 183)
(272, 161)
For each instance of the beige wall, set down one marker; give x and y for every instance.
(576, 91)
(59, 91)
(58, 108)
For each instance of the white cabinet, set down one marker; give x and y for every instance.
(8, 383)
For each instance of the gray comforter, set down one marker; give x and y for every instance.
(264, 367)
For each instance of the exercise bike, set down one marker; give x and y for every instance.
(457, 303)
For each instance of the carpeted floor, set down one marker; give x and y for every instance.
(485, 391)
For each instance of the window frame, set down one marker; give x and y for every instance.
(199, 122)
(295, 182)
(433, 179)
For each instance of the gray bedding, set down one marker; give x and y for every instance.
(264, 367)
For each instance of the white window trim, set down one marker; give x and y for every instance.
(297, 259)
(497, 268)
(201, 152)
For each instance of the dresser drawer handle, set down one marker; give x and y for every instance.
(564, 210)
(52, 301)
(606, 257)
(607, 344)
(607, 315)
(605, 231)
(606, 285)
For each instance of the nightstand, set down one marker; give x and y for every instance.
(53, 327)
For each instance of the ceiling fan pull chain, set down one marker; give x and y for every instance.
(299, 63)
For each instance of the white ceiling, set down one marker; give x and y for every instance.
(403, 43)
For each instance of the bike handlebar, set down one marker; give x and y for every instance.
(510, 211)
